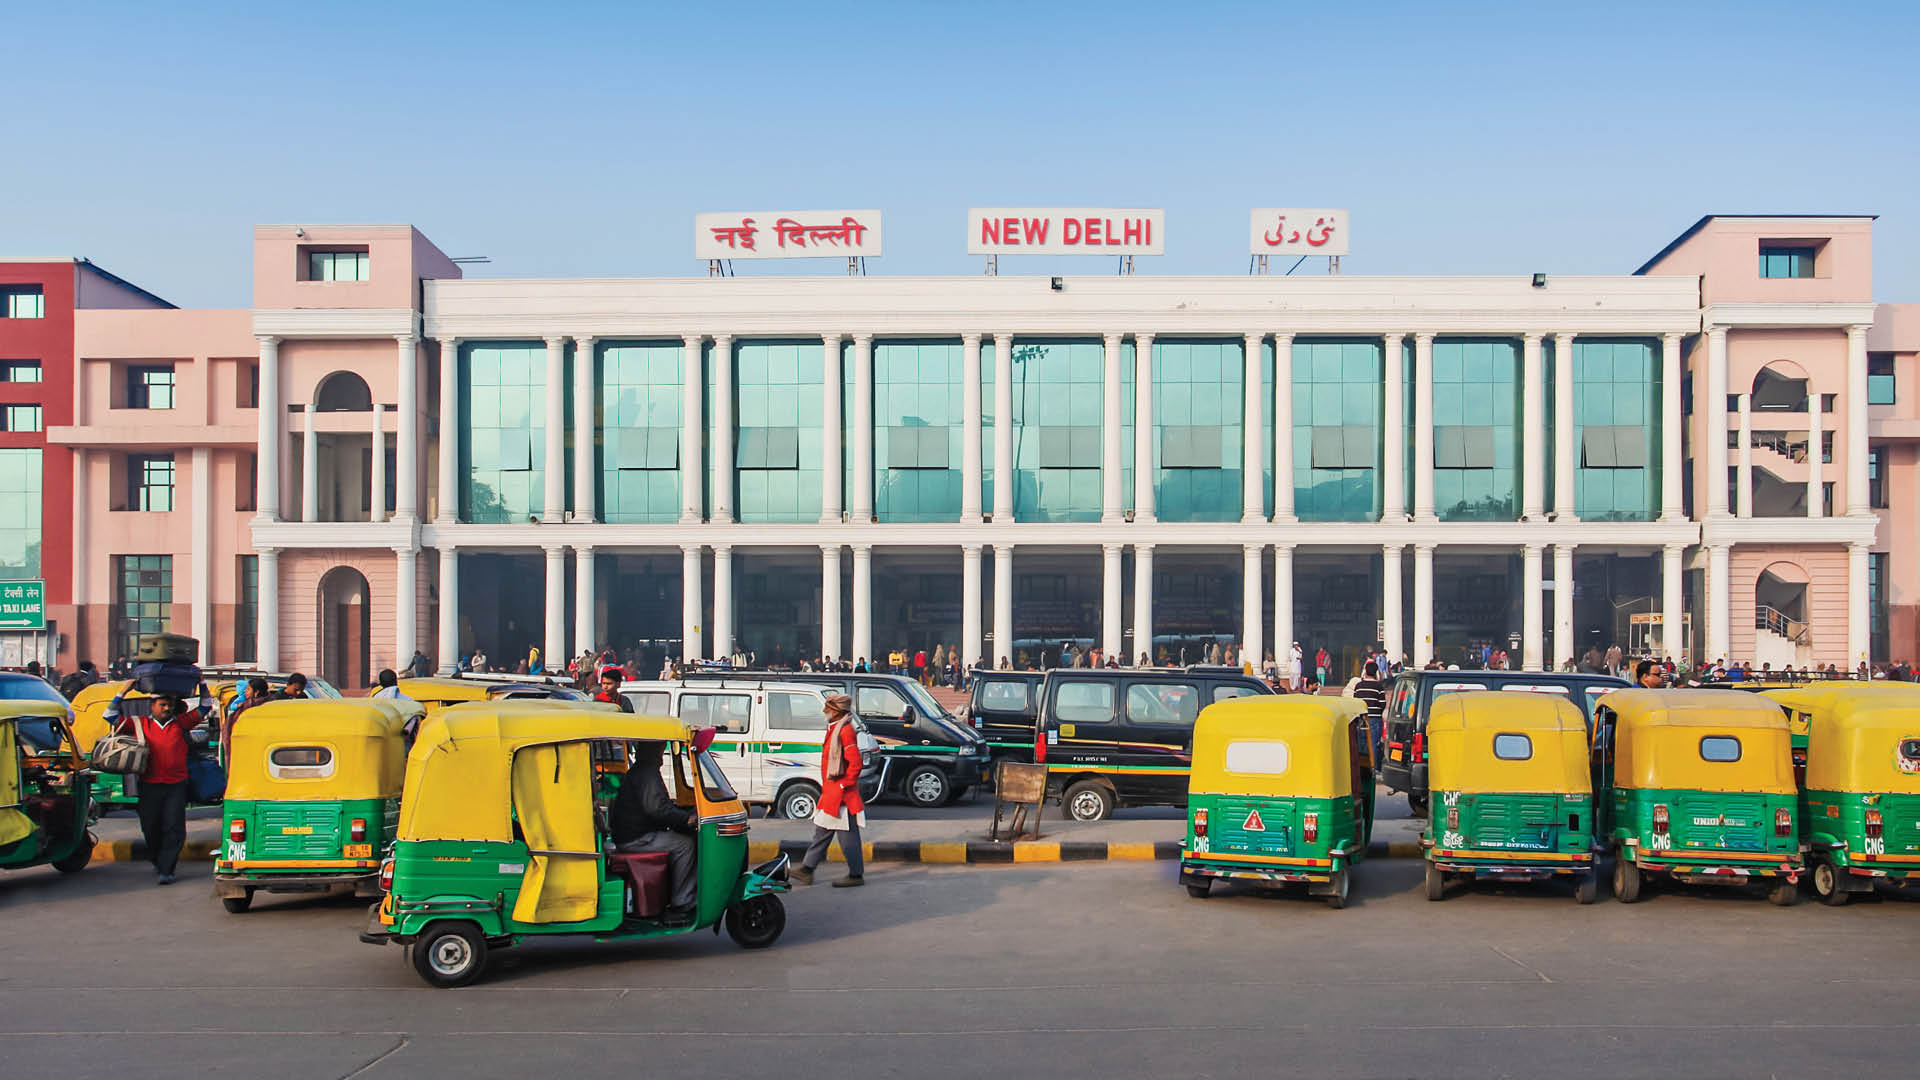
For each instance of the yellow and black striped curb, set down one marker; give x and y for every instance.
(950, 852)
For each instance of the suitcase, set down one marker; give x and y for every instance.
(168, 649)
(175, 680)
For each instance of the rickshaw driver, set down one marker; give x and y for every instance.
(645, 818)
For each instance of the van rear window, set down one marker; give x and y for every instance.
(1719, 748)
(1537, 688)
(1441, 690)
(1084, 703)
(1004, 696)
(1512, 747)
(1262, 757)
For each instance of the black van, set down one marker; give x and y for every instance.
(1114, 737)
(1403, 765)
(931, 757)
(1003, 710)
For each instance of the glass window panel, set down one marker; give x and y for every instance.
(1084, 447)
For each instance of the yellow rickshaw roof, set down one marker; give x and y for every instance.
(1267, 714)
(445, 688)
(102, 692)
(1316, 762)
(524, 722)
(1661, 734)
(1461, 733)
(320, 717)
(365, 740)
(1641, 708)
(1476, 710)
(1853, 742)
(21, 709)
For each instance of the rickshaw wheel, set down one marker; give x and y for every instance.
(1627, 880)
(1337, 899)
(1826, 884)
(237, 905)
(1587, 889)
(1436, 883)
(1199, 889)
(756, 922)
(1785, 893)
(450, 954)
(76, 860)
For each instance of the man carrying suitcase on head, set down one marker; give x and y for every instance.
(162, 784)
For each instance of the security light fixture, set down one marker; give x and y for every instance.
(1539, 281)
(1058, 284)
(300, 233)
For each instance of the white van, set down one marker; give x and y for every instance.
(769, 736)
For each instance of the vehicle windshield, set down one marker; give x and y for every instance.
(27, 688)
(929, 706)
(322, 688)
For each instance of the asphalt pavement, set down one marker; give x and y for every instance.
(1106, 970)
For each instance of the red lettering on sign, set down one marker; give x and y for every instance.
(1037, 230)
(1093, 230)
(1008, 230)
(989, 230)
(1070, 231)
(1133, 230)
(1149, 224)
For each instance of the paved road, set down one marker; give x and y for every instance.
(1104, 970)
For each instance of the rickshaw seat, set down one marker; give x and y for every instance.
(647, 870)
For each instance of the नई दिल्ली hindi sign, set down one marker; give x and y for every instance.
(1065, 231)
(787, 234)
(23, 605)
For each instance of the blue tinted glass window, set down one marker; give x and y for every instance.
(1199, 390)
(1337, 387)
(20, 513)
(1057, 393)
(503, 412)
(777, 432)
(639, 427)
(918, 430)
(1617, 429)
(1476, 429)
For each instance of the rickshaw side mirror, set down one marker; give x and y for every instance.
(702, 739)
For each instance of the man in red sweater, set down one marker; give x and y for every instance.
(163, 785)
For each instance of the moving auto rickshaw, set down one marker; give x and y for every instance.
(500, 840)
(1860, 797)
(1512, 794)
(313, 790)
(1698, 785)
(45, 786)
(1281, 791)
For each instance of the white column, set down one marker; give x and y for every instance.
(833, 643)
(1533, 432)
(1113, 495)
(1252, 575)
(449, 508)
(377, 474)
(1283, 608)
(406, 605)
(1672, 601)
(691, 648)
(1391, 603)
(267, 637)
(833, 500)
(723, 438)
(555, 647)
(1816, 458)
(1858, 501)
(406, 449)
(1422, 604)
(272, 432)
(1562, 605)
(1111, 641)
(1859, 633)
(1532, 618)
(1282, 437)
(1422, 441)
(586, 631)
(1393, 444)
(449, 656)
(693, 374)
(1565, 455)
(969, 605)
(554, 508)
(1719, 604)
(1714, 431)
(585, 387)
(1672, 454)
(202, 529)
(863, 600)
(722, 601)
(1143, 436)
(309, 467)
(862, 432)
(1142, 603)
(1252, 498)
(970, 445)
(1743, 476)
(1002, 602)
(1003, 471)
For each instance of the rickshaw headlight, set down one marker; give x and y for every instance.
(1200, 822)
(386, 876)
(1782, 823)
(1310, 824)
(1659, 817)
(1873, 823)
(237, 830)
(357, 832)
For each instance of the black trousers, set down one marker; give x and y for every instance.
(163, 823)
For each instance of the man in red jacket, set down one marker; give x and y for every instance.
(840, 811)
(163, 785)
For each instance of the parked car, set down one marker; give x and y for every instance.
(1004, 707)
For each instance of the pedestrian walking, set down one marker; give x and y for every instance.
(162, 785)
(840, 811)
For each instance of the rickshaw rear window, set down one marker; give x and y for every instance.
(308, 756)
(713, 780)
(1719, 748)
(1512, 747)
(1258, 757)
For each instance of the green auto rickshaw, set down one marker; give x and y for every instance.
(1860, 798)
(501, 839)
(1281, 792)
(1512, 796)
(45, 789)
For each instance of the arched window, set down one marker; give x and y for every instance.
(343, 391)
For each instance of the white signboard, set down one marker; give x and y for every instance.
(787, 234)
(1300, 232)
(1065, 231)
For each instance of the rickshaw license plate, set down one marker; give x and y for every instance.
(359, 851)
(297, 830)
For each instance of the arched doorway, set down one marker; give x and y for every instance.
(345, 602)
(1782, 596)
(343, 391)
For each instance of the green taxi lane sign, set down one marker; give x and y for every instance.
(23, 605)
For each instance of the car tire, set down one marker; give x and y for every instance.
(1199, 889)
(927, 787)
(237, 905)
(1628, 881)
(797, 801)
(1826, 884)
(960, 791)
(1337, 898)
(450, 954)
(1088, 800)
(756, 922)
(1785, 893)
(1436, 883)
(1586, 888)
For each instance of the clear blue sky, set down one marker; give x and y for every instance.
(570, 139)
